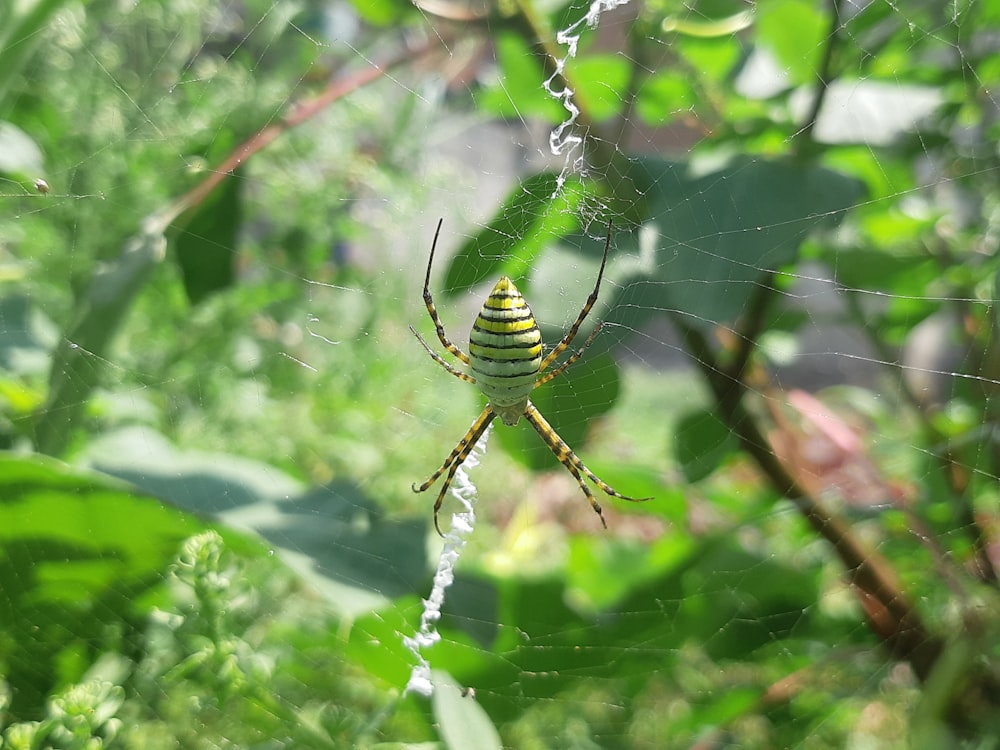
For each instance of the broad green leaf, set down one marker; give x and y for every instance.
(996, 295)
(384, 12)
(532, 216)
(701, 444)
(78, 554)
(709, 60)
(599, 575)
(869, 18)
(722, 229)
(77, 364)
(20, 156)
(461, 720)
(601, 81)
(794, 31)
(335, 537)
(732, 704)
(882, 271)
(204, 247)
(665, 94)
(714, 595)
(518, 91)
(27, 336)
(375, 639)
(733, 606)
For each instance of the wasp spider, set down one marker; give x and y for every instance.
(505, 358)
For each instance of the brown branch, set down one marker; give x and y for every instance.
(824, 77)
(889, 610)
(298, 113)
(751, 326)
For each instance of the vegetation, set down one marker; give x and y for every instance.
(212, 225)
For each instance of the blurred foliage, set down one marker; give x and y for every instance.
(248, 370)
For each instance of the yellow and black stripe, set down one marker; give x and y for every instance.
(505, 346)
(505, 357)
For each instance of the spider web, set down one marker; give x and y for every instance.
(215, 221)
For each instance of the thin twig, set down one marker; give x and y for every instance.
(298, 113)
(805, 142)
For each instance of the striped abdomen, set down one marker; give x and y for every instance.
(505, 349)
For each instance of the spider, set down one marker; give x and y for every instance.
(505, 358)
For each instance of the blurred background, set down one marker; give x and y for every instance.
(215, 221)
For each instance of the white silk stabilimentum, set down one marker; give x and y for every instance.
(462, 524)
(559, 139)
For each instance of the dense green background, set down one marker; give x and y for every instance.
(205, 361)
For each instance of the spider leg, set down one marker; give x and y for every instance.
(456, 458)
(570, 460)
(429, 304)
(437, 358)
(575, 328)
(576, 355)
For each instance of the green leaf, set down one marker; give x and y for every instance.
(601, 81)
(531, 217)
(701, 444)
(518, 91)
(794, 31)
(27, 336)
(732, 604)
(462, 721)
(384, 12)
(723, 709)
(721, 230)
(77, 365)
(375, 639)
(667, 92)
(204, 249)
(709, 59)
(22, 27)
(77, 553)
(599, 575)
(20, 156)
(882, 271)
(356, 558)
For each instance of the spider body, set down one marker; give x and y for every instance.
(506, 361)
(505, 351)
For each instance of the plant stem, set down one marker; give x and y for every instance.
(890, 612)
